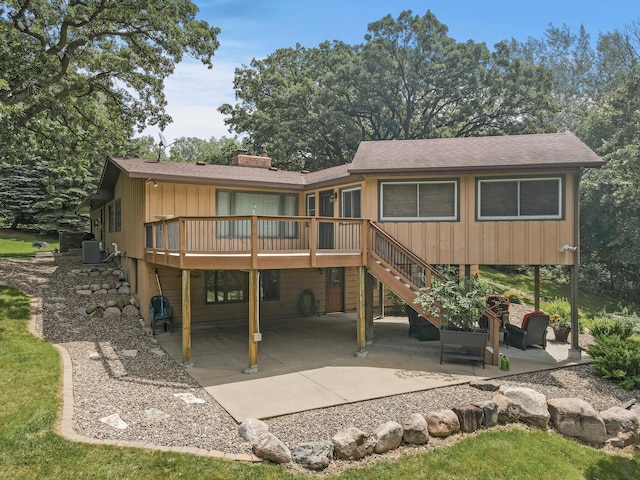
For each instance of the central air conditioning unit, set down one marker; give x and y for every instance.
(92, 251)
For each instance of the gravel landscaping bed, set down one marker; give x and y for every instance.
(119, 369)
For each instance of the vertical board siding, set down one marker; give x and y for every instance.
(467, 241)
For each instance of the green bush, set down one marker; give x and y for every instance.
(515, 297)
(559, 311)
(617, 360)
(610, 327)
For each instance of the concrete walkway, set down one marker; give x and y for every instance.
(308, 363)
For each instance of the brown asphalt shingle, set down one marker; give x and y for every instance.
(474, 153)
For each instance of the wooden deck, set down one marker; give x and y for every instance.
(256, 242)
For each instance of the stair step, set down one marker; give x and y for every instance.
(378, 262)
(397, 278)
(408, 285)
(388, 269)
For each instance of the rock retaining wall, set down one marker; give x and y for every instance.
(573, 417)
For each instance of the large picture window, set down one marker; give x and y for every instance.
(253, 203)
(520, 199)
(429, 200)
(228, 286)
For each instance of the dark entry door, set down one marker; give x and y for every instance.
(325, 229)
(334, 278)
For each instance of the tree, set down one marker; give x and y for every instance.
(191, 149)
(78, 77)
(611, 196)
(576, 85)
(408, 80)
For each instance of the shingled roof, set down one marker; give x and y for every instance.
(537, 151)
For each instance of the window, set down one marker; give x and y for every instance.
(115, 216)
(429, 200)
(520, 199)
(350, 203)
(311, 205)
(252, 203)
(118, 215)
(227, 286)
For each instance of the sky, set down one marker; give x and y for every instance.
(256, 28)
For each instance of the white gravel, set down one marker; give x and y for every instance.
(141, 388)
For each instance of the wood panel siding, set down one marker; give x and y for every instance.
(469, 241)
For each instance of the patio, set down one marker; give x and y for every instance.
(308, 363)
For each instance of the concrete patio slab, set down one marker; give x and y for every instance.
(308, 363)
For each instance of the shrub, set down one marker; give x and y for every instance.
(610, 327)
(559, 311)
(515, 297)
(617, 360)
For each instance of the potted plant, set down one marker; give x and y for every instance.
(457, 303)
(561, 328)
(559, 311)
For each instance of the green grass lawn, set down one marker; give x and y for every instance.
(31, 448)
(20, 244)
(589, 303)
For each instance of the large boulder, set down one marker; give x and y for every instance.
(622, 426)
(353, 444)
(470, 417)
(269, 447)
(388, 437)
(508, 410)
(415, 428)
(252, 428)
(533, 405)
(313, 455)
(443, 423)
(576, 418)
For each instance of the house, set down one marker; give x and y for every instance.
(247, 242)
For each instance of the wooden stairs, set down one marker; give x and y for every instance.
(405, 274)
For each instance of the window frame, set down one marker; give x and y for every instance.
(343, 200)
(456, 200)
(560, 215)
(310, 205)
(244, 287)
(285, 229)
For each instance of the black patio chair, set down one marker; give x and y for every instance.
(533, 331)
(161, 313)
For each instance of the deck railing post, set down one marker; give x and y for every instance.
(313, 240)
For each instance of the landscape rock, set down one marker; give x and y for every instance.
(313, 455)
(491, 413)
(443, 423)
(533, 405)
(486, 385)
(576, 418)
(470, 417)
(622, 426)
(111, 312)
(252, 428)
(416, 430)
(353, 444)
(388, 437)
(269, 447)
(129, 311)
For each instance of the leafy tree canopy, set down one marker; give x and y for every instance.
(313, 106)
(77, 78)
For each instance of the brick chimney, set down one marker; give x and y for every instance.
(242, 159)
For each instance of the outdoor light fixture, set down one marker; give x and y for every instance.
(149, 180)
(565, 247)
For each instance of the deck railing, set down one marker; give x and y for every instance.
(253, 236)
